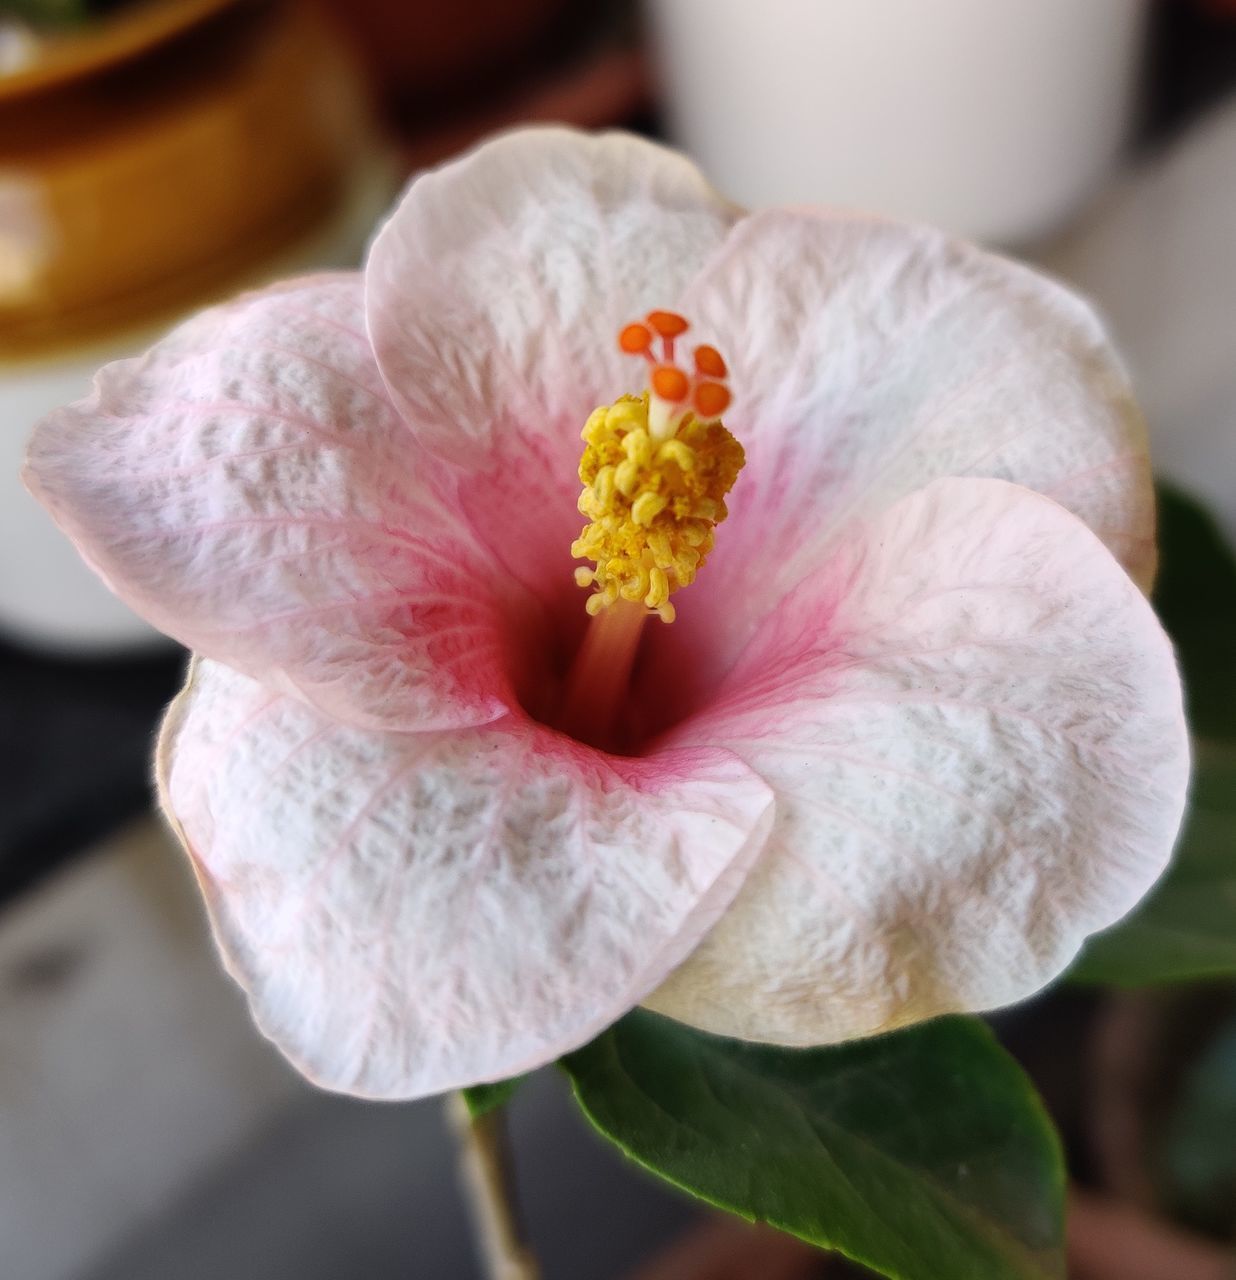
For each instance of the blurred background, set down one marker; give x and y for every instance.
(158, 154)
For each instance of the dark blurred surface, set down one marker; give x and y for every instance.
(433, 67)
(1191, 65)
(340, 1188)
(75, 747)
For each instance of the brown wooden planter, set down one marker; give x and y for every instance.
(147, 161)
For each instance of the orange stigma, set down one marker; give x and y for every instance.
(636, 340)
(708, 362)
(710, 400)
(670, 383)
(668, 324)
(673, 391)
(655, 470)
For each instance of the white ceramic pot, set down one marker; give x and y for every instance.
(993, 118)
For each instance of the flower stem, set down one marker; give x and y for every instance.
(485, 1168)
(599, 680)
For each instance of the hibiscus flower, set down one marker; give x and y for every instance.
(906, 733)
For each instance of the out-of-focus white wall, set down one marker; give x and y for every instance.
(1158, 256)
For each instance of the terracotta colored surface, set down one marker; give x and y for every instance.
(1109, 1241)
(127, 191)
(424, 45)
(600, 93)
(728, 1249)
(132, 32)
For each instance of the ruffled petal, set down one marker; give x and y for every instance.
(972, 721)
(248, 487)
(869, 358)
(495, 294)
(411, 913)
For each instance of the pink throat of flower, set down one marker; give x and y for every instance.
(655, 470)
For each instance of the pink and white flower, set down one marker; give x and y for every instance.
(914, 734)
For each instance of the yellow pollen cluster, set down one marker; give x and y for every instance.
(652, 499)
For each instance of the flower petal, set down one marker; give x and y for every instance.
(973, 724)
(248, 488)
(495, 294)
(870, 357)
(411, 913)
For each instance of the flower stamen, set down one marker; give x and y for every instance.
(655, 469)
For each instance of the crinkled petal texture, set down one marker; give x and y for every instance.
(940, 702)
(411, 913)
(495, 294)
(973, 724)
(869, 358)
(249, 488)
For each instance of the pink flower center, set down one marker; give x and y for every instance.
(655, 469)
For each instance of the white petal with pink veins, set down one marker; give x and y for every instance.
(411, 913)
(495, 294)
(249, 488)
(972, 721)
(870, 357)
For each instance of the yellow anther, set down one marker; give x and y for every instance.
(646, 508)
(686, 562)
(626, 477)
(623, 415)
(661, 547)
(675, 451)
(658, 588)
(594, 424)
(603, 486)
(651, 504)
(637, 445)
(636, 587)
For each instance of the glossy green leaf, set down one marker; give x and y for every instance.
(1195, 598)
(483, 1098)
(1186, 928)
(924, 1154)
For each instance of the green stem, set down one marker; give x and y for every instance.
(485, 1167)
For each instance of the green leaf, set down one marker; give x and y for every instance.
(924, 1154)
(483, 1098)
(1186, 928)
(1195, 598)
